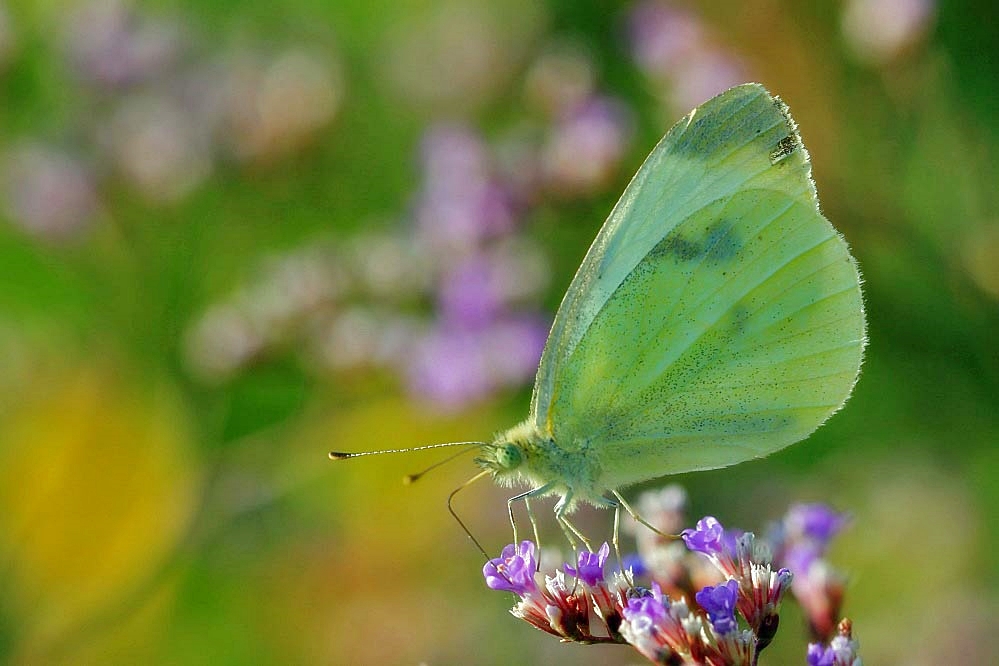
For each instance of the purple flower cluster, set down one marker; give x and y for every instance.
(590, 569)
(485, 334)
(361, 304)
(725, 615)
(513, 571)
(558, 607)
(449, 299)
(164, 112)
(841, 650)
(801, 541)
(719, 603)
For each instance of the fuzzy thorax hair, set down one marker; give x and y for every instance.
(523, 455)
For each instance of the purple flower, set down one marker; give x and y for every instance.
(635, 563)
(719, 603)
(448, 368)
(663, 37)
(513, 346)
(814, 521)
(591, 566)
(114, 45)
(820, 656)
(47, 192)
(647, 610)
(469, 296)
(708, 537)
(842, 649)
(513, 570)
(585, 147)
(659, 627)
(460, 203)
(798, 557)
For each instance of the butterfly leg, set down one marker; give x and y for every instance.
(571, 532)
(617, 545)
(534, 526)
(525, 497)
(639, 519)
(616, 538)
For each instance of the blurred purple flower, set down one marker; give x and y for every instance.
(362, 337)
(460, 203)
(448, 367)
(706, 73)
(586, 145)
(159, 146)
(590, 567)
(222, 341)
(388, 266)
(513, 347)
(662, 36)
(841, 651)
(273, 104)
(879, 31)
(47, 192)
(804, 535)
(798, 557)
(664, 508)
(469, 295)
(819, 590)
(719, 603)
(111, 43)
(452, 366)
(673, 49)
(513, 570)
(633, 562)
(815, 521)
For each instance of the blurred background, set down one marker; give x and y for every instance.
(235, 235)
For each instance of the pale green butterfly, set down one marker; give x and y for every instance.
(717, 317)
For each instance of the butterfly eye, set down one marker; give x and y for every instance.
(509, 456)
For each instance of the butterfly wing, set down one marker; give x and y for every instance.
(717, 316)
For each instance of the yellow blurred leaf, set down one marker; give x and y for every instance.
(97, 485)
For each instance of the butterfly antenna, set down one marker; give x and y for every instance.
(413, 478)
(454, 515)
(344, 455)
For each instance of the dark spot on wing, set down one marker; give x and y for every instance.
(739, 313)
(784, 147)
(678, 247)
(719, 243)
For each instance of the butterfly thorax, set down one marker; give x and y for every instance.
(525, 455)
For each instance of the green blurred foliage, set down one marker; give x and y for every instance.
(151, 512)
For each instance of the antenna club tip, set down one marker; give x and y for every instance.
(410, 478)
(339, 455)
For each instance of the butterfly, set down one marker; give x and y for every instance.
(717, 317)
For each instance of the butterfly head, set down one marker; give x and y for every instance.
(508, 455)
